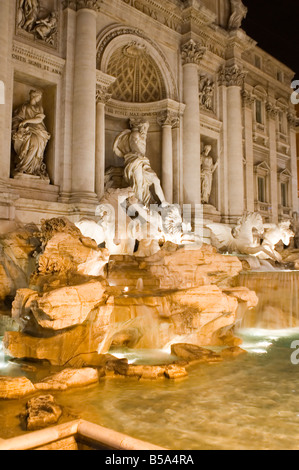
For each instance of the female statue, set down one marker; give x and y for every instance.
(207, 170)
(30, 136)
(131, 146)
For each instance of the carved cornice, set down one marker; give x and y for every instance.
(25, 54)
(192, 52)
(80, 4)
(233, 75)
(102, 94)
(271, 110)
(248, 98)
(168, 118)
(163, 12)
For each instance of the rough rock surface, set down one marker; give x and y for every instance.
(16, 260)
(192, 352)
(180, 267)
(15, 387)
(234, 351)
(69, 378)
(41, 412)
(60, 348)
(170, 371)
(59, 308)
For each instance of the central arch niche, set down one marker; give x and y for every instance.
(144, 87)
(139, 80)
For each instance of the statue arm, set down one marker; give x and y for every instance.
(37, 120)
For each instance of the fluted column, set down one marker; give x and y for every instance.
(5, 55)
(233, 77)
(84, 107)
(192, 54)
(248, 101)
(292, 121)
(272, 113)
(102, 97)
(167, 120)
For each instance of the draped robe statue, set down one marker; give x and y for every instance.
(30, 137)
(208, 168)
(131, 146)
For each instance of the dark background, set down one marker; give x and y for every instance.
(274, 24)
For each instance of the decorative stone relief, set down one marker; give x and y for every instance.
(31, 19)
(232, 76)
(208, 168)
(292, 120)
(239, 12)
(168, 118)
(30, 137)
(90, 4)
(192, 52)
(79, 4)
(102, 94)
(206, 93)
(271, 110)
(139, 79)
(248, 99)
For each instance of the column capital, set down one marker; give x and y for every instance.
(292, 120)
(80, 4)
(232, 75)
(248, 98)
(192, 52)
(271, 110)
(102, 94)
(168, 118)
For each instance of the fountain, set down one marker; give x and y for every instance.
(142, 299)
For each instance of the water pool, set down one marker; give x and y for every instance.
(251, 402)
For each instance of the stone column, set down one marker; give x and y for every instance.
(102, 97)
(5, 77)
(272, 113)
(292, 120)
(248, 101)
(84, 107)
(192, 54)
(233, 76)
(167, 120)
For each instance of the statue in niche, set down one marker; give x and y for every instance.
(131, 146)
(46, 28)
(30, 136)
(239, 12)
(206, 94)
(208, 168)
(27, 14)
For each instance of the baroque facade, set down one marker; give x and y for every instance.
(75, 72)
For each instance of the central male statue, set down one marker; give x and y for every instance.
(131, 146)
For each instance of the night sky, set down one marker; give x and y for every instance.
(274, 24)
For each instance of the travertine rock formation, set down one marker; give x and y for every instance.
(15, 387)
(41, 412)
